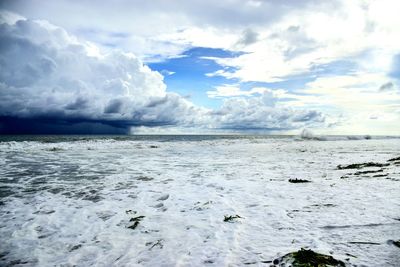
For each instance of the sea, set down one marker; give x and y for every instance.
(197, 200)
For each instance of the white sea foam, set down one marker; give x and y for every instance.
(307, 134)
(70, 203)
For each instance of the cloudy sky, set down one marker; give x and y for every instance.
(266, 66)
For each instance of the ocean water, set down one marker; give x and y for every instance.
(162, 200)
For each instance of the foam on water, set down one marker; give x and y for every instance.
(70, 203)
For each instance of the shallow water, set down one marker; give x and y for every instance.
(68, 200)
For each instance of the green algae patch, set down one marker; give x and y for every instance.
(308, 258)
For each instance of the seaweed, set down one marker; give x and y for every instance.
(394, 159)
(134, 225)
(362, 165)
(380, 175)
(135, 221)
(72, 248)
(367, 172)
(230, 218)
(309, 258)
(158, 243)
(296, 181)
(363, 243)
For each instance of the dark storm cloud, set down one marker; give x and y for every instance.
(114, 106)
(48, 76)
(77, 104)
(12, 125)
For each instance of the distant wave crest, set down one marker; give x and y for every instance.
(307, 134)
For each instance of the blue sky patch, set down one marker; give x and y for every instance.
(189, 74)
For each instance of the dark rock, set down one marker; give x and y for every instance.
(54, 149)
(75, 247)
(393, 242)
(380, 175)
(250, 263)
(367, 172)
(394, 159)
(363, 243)
(308, 258)
(362, 165)
(295, 181)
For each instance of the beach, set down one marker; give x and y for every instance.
(166, 200)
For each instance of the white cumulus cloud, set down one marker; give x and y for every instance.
(49, 75)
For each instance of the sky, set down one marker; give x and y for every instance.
(228, 66)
